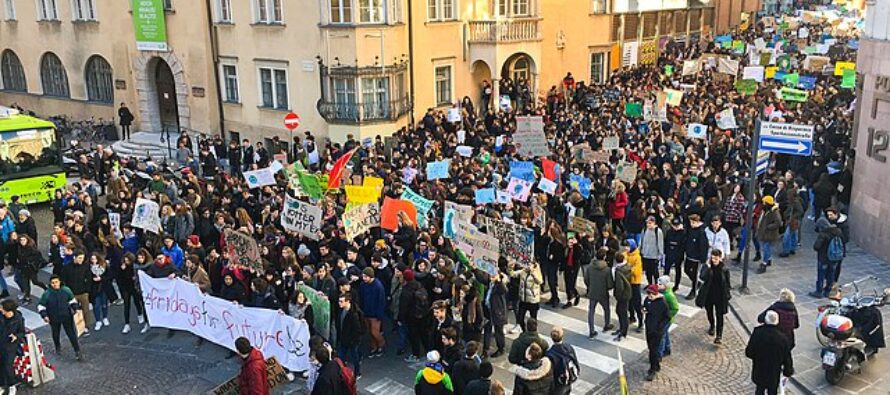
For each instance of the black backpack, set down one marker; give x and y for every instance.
(565, 370)
(421, 303)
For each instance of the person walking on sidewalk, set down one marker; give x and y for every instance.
(714, 294)
(651, 249)
(675, 250)
(78, 279)
(770, 353)
(12, 334)
(792, 213)
(622, 293)
(57, 307)
(788, 319)
(598, 280)
(635, 263)
(657, 320)
(373, 301)
(664, 286)
(768, 230)
(839, 219)
(830, 251)
(696, 251)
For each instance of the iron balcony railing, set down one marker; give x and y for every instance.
(358, 113)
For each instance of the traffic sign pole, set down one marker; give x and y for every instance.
(749, 217)
(291, 122)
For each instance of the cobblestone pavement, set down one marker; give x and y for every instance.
(696, 365)
(798, 273)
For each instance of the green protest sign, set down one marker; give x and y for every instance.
(633, 109)
(311, 185)
(792, 79)
(149, 25)
(796, 95)
(669, 70)
(746, 87)
(321, 308)
(784, 62)
(849, 79)
(738, 46)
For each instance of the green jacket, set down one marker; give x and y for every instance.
(671, 300)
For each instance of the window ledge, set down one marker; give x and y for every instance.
(273, 109)
(442, 22)
(224, 23)
(85, 22)
(12, 20)
(268, 24)
(49, 21)
(234, 103)
(353, 25)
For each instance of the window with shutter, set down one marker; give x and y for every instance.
(650, 22)
(631, 26)
(680, 22)
(616, 27)
(666, 26)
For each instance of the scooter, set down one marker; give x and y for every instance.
(847, 329)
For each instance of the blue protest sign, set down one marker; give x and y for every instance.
(523, 170)
(485, 196)
(437, 170)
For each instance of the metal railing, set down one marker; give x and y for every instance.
(504, 31)
(358, 113)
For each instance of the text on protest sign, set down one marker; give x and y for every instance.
(259, 178)
(178, 304)
(529, 138)
(301, 217)
(361, 219)
(515, 240)
(145, 216)
(243, 249)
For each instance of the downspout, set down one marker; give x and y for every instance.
(411, 63)
(214, 53)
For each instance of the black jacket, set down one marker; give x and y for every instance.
(770, 352)
(349, 328)
(13, 326)
(675, 245)
(329, 380)
(478, 387)
(657, 316)
(714, 277)
(697, 244)
(462, 373)
(77, 277)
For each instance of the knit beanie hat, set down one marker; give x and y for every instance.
(369, 271)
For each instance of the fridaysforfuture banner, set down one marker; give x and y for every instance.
(149, 23)
(179, 304)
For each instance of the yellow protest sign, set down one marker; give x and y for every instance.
(770, 72)
(674, 97)
(362, 194)
(375, 182)
(839, 67)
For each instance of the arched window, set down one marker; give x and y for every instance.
(98, 78)
(53, 76)
(12, 72)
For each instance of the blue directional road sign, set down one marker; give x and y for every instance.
(786, 138)
(762, 162)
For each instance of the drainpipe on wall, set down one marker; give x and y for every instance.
(411, 63)
(214, 53)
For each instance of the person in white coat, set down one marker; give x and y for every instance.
(718, 237)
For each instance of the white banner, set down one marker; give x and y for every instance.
(178, 304)
(145, 216)
(259, 178)
(301, 217)
(529, 138)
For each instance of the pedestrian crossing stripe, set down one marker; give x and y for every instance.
(685, 310)
(32, 319)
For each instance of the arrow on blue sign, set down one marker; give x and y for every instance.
(783, 145)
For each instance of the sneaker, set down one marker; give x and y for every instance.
(119, 302)
(98, 326)
(306, 374)
(126, 329)
(11, 390)
(106, 322)
(650, 376)
(144, 329)
(86, 333)
(141, 319)
(514, 329)
(290, 376)
(592, 335)
(358, 377)
(78, 356)
(21, 297)
(411, 359)
(717, 340)
(756, 256)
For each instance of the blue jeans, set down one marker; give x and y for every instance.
(353, 356)
(789, 240)
(825, 276)
(100, 306)
(403, 337)
(665, 341)
(767, 250)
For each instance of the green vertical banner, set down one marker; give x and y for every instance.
(149, 25)
(848, 81)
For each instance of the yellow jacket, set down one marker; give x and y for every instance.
(635, 262)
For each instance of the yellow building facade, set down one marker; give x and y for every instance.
(359, 67)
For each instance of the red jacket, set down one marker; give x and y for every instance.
(618, 206)
(252, 380)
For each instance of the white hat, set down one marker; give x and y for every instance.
(432, 356)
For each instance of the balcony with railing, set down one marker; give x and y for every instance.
(361, 113)
(504, 31)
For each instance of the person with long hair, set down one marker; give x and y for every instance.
(29, 262)
(126, 281)
(556, 255)
(99, 291)
(618, 202)
(714, 294)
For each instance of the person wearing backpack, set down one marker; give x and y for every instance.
(331, 376)
(564, 361)
(350, 330)
(413, 315)
(830, 252)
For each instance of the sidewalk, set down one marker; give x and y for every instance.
(798, 273)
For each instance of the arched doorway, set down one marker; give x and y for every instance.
(481, 73)
(165, 86)
(519, 67)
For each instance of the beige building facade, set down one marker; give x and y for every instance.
(359, 67)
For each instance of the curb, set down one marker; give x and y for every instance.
(798, 386)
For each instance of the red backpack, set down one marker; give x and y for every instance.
(348, 376)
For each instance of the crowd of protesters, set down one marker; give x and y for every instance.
(683, 213)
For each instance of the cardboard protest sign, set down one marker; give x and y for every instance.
(114, 219)
(839, 67)
(581, 184)
(408, 174)
(514, 240)
(795, 95)
(792, 79)
(389, 213)
(453, 115)
(311, 185)
(243, 249)
(815, 63)
(422, 204)
(547, 186)
(770, 72)
(502, 197)
(582, 225)
(729, 66)
(456, 213)
(524, 170)
(753, 73)
(437, 170)
(690, 67)
(146, 216)
(362, 194)
(529, 138)
(746, 86)
(301, 217)
(673, 97)
(361, 219)
(633, 110)
(627, 171)
(259, 178)
(726, 119)
(519, 189)
(848, 81)
(582, 152)
(697, 131)
(179, 304)
(275, 376)
(375, 182)
(807, 82)
(485, 196)
(611, 142)
(485, 249)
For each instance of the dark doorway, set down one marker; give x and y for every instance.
(166, 87)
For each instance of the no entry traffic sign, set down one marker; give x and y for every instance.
(291, 121)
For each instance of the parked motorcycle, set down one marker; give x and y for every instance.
(850, 329)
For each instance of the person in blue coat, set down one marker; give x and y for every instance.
(174, 252)
(373, 304)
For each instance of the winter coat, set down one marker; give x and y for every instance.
(349, 328)
(657, 315)
(598, 280)
(718, 240)
(714, 288)
(671, 299)
(329, 380)
(252, 380)
(635, 263)
(175, 254)
(530, 285)
(618, 206)
(432, 380)
(652, 243)
(77, 278)
(622, 283)
(770, 352)
(183, 226)
(823, 239)
(478, 387)
(497, 301)
(525, 339)
(533, 378)
(697, 244)
(161, 270)
(788, 319)
(234, 292)
(12, 326)
(56, 304)
(770, 226)
(464, 371)
(675, 245)
(199, 277)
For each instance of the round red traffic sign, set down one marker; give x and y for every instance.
(291, 121)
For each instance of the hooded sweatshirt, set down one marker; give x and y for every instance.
(635, 263)
(432, 380)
